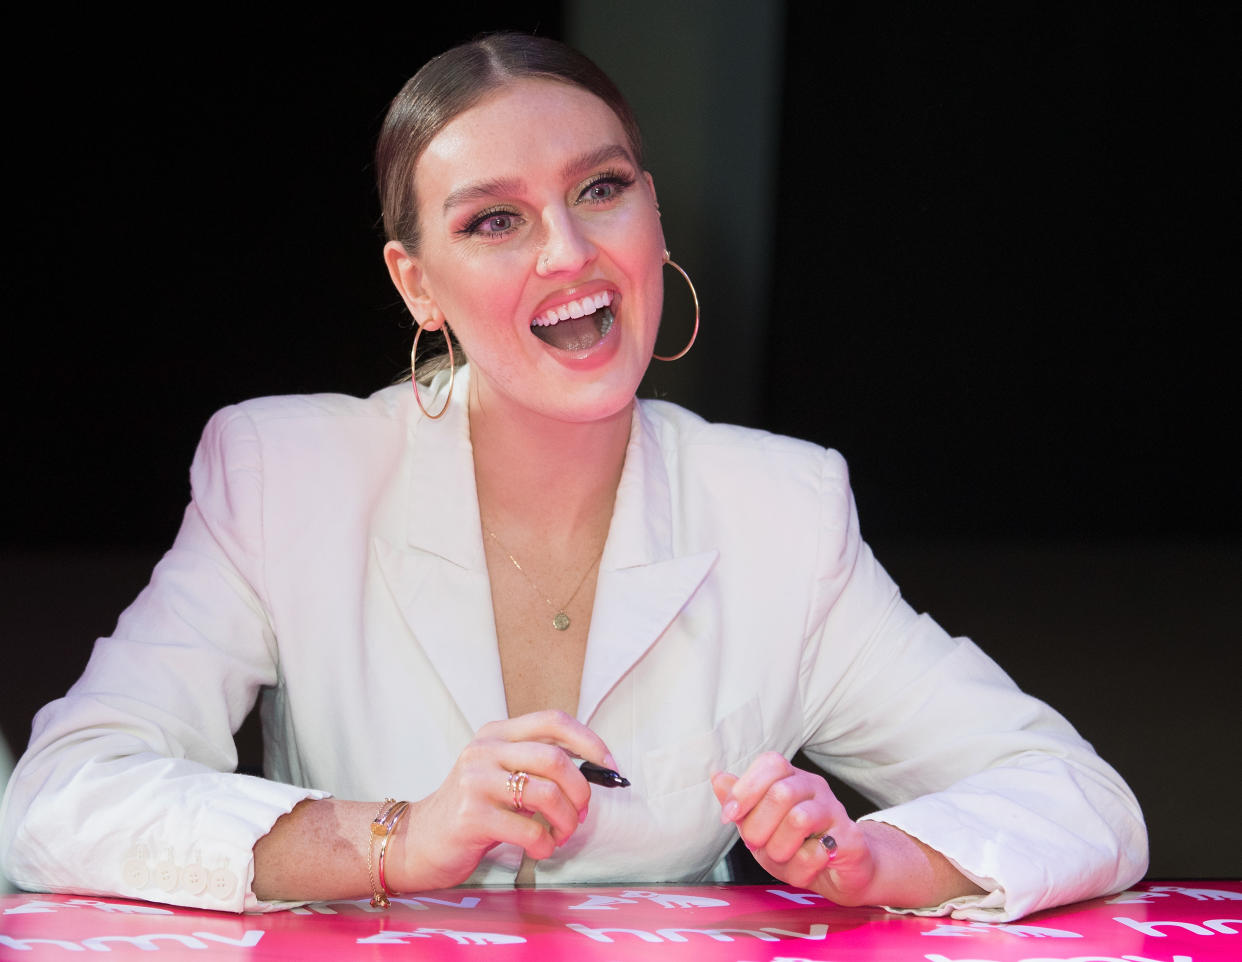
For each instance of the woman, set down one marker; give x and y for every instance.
(452, 595)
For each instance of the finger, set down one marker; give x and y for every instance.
(543, 798)
(800, 828)
(754, 783)
(549, 762)
(722, 782)
(528, 831)
(491, 817)
(841, 875)
(795, 802)
(527, 776)
(552, 727)
(803, 868)
(786, 799)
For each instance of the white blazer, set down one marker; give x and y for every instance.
(331, 560)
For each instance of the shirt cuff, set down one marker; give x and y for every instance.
(991, 905)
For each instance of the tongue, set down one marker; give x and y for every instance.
(577, 333)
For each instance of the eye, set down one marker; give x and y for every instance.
(492, 223)
(605, 188)
(496, 224)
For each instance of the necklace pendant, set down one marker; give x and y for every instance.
(561, 621)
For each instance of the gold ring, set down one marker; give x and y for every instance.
(516, 784)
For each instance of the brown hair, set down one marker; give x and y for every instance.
(454, 82)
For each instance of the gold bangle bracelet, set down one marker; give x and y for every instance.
(382, 827)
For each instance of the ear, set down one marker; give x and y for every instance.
(407, 277)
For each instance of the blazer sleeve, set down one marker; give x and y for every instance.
(930, 728)
(128, 787)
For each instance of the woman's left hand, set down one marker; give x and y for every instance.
(782, 813)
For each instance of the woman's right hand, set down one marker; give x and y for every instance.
(445, 835)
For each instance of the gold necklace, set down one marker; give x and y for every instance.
(560, 620)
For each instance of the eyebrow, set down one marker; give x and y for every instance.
(484, 188)
(594, 158)
(498, 186)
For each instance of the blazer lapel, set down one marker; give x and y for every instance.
(438, 577)
(642, 584)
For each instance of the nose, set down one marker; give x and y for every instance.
(566, 247)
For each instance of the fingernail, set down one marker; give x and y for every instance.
(729, 812)
(582, 815)
(610, 761)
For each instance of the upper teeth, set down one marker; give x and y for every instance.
(580, 308)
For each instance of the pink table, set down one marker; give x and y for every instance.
(1156, 922)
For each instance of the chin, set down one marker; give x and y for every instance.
(605, 407)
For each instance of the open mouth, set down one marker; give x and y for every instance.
(576, 325)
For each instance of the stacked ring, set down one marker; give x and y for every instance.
(516, 784)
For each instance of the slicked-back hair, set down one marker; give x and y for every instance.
(455, 81)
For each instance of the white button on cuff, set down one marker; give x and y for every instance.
(135, 873)
(138, 873)
(134, 869)
(166, 875)
(194, 879)
(221, 883)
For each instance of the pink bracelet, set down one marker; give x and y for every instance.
(382, 827)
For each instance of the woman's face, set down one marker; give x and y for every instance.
(533, 210)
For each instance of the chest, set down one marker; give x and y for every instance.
(541, 635)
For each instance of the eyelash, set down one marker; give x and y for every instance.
(621, 182)
(483, 216)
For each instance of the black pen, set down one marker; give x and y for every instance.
(600, 775)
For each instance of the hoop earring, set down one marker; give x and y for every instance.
(414, 376)
(693, 293)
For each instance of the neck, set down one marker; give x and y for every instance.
(543, 479)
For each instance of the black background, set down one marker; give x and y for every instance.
(1005, 285)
